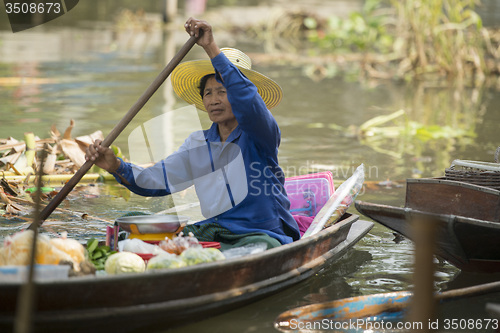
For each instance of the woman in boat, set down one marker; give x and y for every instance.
(234, 164)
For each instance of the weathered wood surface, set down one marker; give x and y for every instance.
(440, 196)
(376, 307)
(467, 243)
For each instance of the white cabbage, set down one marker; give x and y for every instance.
(124, 262)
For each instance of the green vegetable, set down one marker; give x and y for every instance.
(44, 189)
(198, 255)
(214, 254)
(165, 261)
(98, 253)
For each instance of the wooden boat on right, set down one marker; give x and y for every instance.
(366, 310)
(470, 244)
(442, 196)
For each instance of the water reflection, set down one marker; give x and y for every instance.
(435, 123)
(438, 126)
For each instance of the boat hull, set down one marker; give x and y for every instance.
(441, 196)
(161, 299)
(469, 244)
(377, 307)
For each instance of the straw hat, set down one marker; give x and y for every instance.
(186, 79)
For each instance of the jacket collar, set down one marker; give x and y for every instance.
(212, 135)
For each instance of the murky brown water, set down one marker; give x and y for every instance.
(97, 74)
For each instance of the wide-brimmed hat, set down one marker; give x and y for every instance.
(187, 75)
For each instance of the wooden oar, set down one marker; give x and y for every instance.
(45, 213)
(25, 299)
(369, 306)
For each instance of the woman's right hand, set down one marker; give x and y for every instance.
(103, 157)
(195, 27)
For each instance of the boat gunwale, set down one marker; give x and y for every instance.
(415, 212)
(442, 180)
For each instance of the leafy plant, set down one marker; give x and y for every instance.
(98, 254)
(441, 36)
(412, 39)
(360, 32)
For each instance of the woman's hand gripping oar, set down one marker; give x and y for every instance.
(45, 213)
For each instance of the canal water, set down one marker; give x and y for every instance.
(94, 71)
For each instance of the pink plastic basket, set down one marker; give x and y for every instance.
(309, 193)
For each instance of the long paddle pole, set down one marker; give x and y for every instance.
(26, 298)
(480, 289)
(45, 213)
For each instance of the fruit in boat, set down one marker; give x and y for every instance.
(124, 262)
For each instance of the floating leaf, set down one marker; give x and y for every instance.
(379, 120)
(310, 23)
(72, 150)
(87, 140)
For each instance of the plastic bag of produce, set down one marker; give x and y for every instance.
(190, 239)
(246, 250)
(214, 254)
(53, 256)
(166, 260)
(18, 248)
(54, 251)
(138, 246)
(197, 255)
(124, 262)
(70, 246)
(179, 244)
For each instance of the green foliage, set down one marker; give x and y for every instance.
(439, 124)
(362, 31)
(411, 38)
(443, 35)
(414, 130)
(117, 151)
(98, 254)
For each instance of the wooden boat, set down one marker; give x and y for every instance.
(361, 310)
(467, 243)
(157, 300)
(441, 196)
(368, 308)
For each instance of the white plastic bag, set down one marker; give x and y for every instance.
(236, 252)
(340, 200)
(135, 245)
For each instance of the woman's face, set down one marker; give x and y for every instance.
(216, 102)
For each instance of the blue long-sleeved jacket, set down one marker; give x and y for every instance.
(239, 182)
